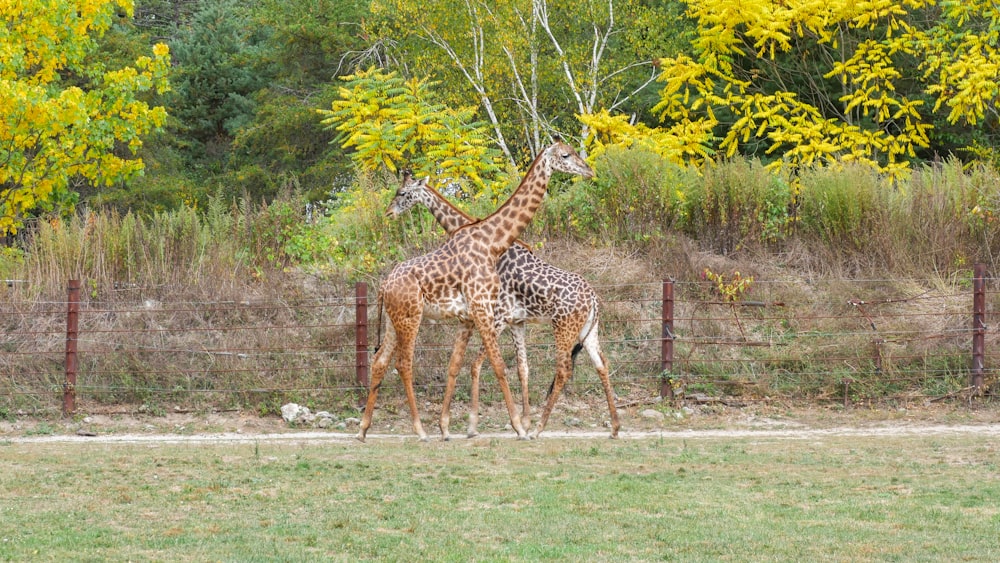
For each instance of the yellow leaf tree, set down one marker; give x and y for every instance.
(391, 122)
(64, 116)
(810, 82)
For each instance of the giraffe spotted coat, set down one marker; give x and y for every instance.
(531, 290)
(459, 280)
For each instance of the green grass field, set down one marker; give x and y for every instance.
(900, 498)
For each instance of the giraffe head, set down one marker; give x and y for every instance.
(410, 193)
(562, 157)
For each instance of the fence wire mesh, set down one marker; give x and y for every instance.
(905, 340)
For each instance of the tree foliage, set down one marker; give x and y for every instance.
(532, 64)
(810, 82)
(66, 114)
(391, 122)
(219, 69)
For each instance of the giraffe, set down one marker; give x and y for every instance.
(459, 280)
(531, 290)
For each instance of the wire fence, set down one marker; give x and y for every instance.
(891, 340)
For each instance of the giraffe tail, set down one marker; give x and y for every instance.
(378, 336)
(572, 367)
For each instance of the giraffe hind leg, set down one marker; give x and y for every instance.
(564, 368)
(379, 366)
(488, 334)
(477, 368)
(457, 354)
(593, 346)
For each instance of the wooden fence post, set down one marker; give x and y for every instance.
(667, 342)
(361, 334)
(72, 335)
(978, 324)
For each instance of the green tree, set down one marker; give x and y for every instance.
(218, 71)
(309, 44)
(67, 115)
(532, 64)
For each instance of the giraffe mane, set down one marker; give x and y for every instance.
(472, 220)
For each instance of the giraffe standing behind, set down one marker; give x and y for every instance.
(459, 280)
(531, 290)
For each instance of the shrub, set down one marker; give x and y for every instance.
(844, 207)
(634, 196)
(736, 204)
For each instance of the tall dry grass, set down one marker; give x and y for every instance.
(843, 220)
(641, 220)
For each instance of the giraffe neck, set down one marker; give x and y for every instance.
(508, 222)
(446, 214)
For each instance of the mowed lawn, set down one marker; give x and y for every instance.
(910, 498)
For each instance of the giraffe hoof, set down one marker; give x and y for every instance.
(424, 438)
(360, 438)
(472, 434)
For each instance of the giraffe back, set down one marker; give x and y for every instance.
(532, 290)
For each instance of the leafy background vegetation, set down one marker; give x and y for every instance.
(825, 140)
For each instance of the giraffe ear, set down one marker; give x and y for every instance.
(425, 181)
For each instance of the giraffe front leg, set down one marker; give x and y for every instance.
(517, 331)
(496, 360)
(457, 354)
(477, 368)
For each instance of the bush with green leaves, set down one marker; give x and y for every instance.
(636, 194)
(736, 204)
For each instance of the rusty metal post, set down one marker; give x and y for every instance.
(978, 324)
(667, 341)
(72, 335)
(361, 333)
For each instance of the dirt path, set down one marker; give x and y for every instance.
(340, 436)
(574, 419)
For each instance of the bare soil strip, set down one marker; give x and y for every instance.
(334, 436)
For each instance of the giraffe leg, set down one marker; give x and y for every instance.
(485, 325)
(457, 354)
(380, 365)
(593, 346)
(404, 365)
(564, 369)
(477, 368)
(517, 331)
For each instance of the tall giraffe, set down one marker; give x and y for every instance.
(459, 280)
(531, 290)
